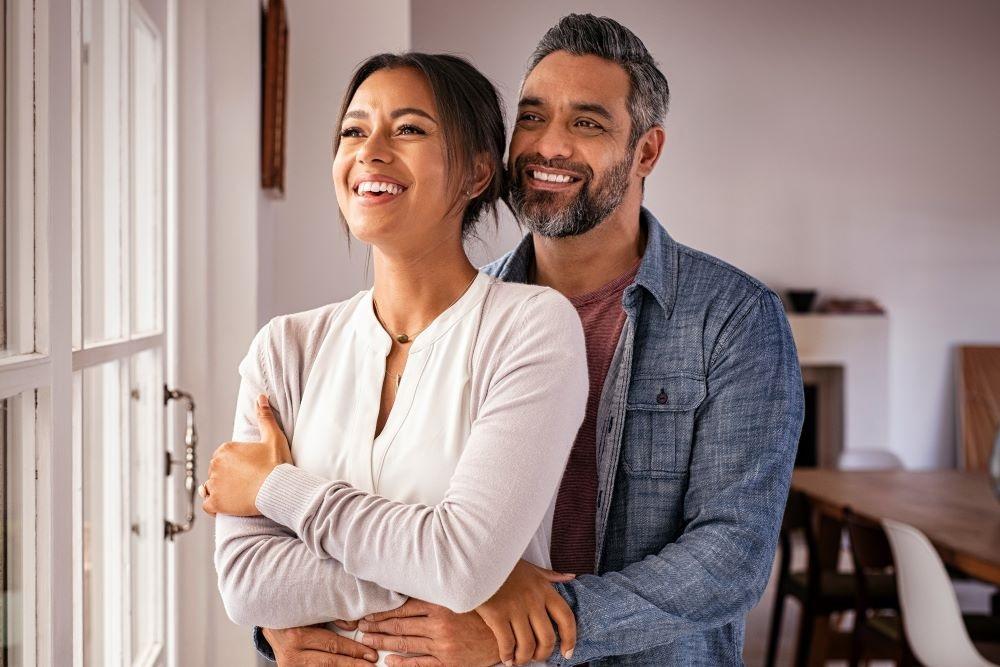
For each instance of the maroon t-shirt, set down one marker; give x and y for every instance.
(573, 540)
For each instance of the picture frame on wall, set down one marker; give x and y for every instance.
(274, 96)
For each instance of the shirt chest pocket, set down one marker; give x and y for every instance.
(659, 424)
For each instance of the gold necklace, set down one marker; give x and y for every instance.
(404, 338)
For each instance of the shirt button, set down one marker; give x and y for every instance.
(662, 398)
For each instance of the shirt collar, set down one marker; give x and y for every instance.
(657, 271)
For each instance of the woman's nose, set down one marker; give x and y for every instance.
(374, 149)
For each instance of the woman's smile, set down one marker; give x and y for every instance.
(375, 189)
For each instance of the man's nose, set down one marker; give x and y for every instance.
(553, 141)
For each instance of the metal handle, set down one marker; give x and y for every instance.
(189, 462)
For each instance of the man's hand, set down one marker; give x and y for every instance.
(522, 612)
(442, 637)
(315, 646)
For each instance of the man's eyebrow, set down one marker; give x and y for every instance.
(594, 107)
(588, 107)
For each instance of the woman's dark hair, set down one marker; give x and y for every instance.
(471, 116)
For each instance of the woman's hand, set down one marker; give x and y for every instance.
(522, 612)
(238, 469)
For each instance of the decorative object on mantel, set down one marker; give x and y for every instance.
(274, 97)
(801, 300)
(859, 306)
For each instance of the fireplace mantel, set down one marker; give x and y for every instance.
(859, 344)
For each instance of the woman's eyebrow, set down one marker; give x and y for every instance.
(412, 111)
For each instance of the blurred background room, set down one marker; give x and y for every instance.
(167, 191)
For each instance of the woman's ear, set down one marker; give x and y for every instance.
(482, 174)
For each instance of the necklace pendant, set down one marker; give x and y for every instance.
(403, 338)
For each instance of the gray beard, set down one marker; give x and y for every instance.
(591, 206)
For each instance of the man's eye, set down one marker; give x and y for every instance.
(350, 132)
(410, 129)
(589, 124)
(528, 117)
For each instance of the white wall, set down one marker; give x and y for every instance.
(848, 146)
(218, 119)
(305, 261)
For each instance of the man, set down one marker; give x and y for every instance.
(671, 502)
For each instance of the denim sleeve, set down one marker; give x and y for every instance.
(745, 439)
(261, 644)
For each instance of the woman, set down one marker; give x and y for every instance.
(441, 403)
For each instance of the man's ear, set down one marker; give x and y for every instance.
(648, 150)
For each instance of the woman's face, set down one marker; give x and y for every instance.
(390, 169)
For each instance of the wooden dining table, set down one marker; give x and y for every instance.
(956, 509)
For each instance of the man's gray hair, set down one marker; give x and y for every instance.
(586, 34)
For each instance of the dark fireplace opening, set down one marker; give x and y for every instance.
(822, 437)
(806, 456)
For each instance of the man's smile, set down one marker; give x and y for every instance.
(543, 178)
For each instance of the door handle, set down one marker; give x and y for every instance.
(189, 462)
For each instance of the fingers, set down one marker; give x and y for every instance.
(208, 505)
(346, 625)
(504, 635)
(414, 661)
(405, 644)
(265, 419)
(331, 642)
(411, 607)
(312, 658)
(524, 639)
(415, 626)
(565, 621)
(545, 636)
(557, 577)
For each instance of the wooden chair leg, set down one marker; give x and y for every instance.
(775, 629)
(803, 644)
(857, 640)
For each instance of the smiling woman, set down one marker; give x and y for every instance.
(428, 420)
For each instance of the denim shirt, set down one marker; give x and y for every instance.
(698, 425)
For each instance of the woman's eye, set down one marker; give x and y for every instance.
(350, 132)
(410, 129)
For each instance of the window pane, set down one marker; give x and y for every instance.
(146, 139)
(146, 213)
(16, 535)
(146, 505)
(101, 240)
(101, 422)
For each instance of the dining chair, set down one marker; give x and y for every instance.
(820, 589)
(932, 619)
(878, 629)
(868, 459)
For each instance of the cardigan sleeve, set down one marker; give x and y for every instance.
(267, 576)
(458, 552)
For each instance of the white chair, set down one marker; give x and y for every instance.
(932, 619)
(868, 459)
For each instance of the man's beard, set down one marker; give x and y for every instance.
(540, 211)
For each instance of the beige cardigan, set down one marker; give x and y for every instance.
(326, 550)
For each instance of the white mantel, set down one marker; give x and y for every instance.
(859, 343)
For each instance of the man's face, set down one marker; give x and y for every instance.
(570, 161)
